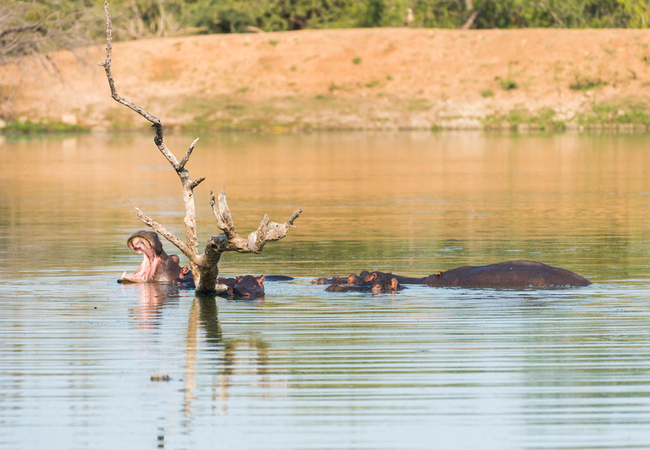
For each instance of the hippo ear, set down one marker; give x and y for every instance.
(238, 279)
(371, 277)
(185, 270)
(174, 259)
(260, 280)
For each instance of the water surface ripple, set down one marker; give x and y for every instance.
(81, 356)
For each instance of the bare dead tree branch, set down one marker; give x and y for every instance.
(167, 235)
(23, 28)
(204, 266)
(186, 158)
(24, 34)
(266, 232)
(183, 174)
(196, 182)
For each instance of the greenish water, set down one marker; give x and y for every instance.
(305, 369)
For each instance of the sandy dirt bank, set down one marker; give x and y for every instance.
(347, 79)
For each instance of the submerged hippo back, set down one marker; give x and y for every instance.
(510, 274)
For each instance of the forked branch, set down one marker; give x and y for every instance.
(266, 232)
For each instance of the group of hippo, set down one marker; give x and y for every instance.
(158, 266)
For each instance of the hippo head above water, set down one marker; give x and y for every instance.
(246, 287)
(249, 287)
(156, 265)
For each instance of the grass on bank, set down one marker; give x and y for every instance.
(583, 83)
(327, 112)
(624, 113)
(544, 119)
(28, 127)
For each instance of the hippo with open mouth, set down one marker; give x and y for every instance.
(157, 266)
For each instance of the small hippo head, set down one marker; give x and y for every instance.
(249, 287)
(355, 280)
(337, 288)
(156, 265)
(380, 286)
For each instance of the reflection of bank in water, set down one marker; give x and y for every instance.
(235, 357)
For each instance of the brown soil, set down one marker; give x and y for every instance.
(337, 79)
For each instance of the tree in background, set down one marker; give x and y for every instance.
(533, 14)
(38, 26)
(278, 15)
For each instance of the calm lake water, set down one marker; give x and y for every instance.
(305, 369)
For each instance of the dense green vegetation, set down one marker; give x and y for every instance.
(146, 18)
(224, 16)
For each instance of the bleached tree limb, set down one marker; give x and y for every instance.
(167, 235)
(183, 174)
(266, 232)
(188, 153)
(111, 82)
(204, 266)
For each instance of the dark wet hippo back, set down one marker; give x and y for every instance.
(384, 277)
(277, 278)
(510, 274)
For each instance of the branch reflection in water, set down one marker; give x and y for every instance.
(204, 313)
(250, 353)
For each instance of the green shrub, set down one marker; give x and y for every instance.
(507, 84)
(585, 83)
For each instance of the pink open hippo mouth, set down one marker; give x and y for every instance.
(156, 265)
